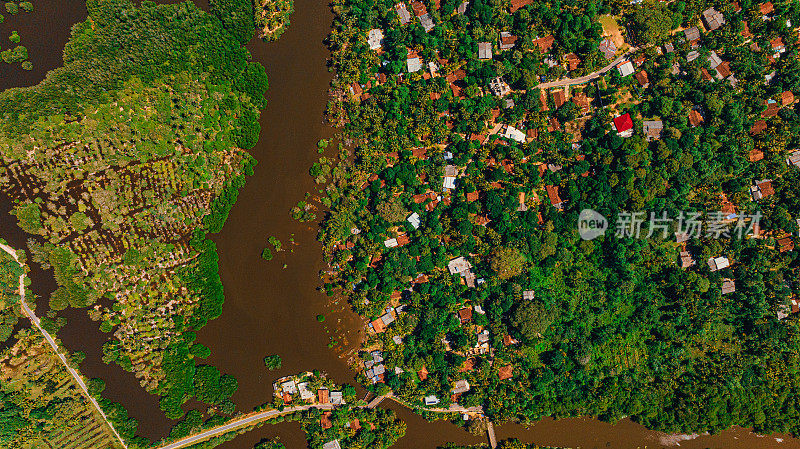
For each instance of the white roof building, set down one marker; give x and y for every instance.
(337, 398)
(460, 386)
(449, 182)
(414, 64)
(514, 134)
(431, 400)
(332, 445)
(459, 265)
(414, 220)
(718, 263)
(375, 38)
(626, 68)
(390, 243)
(484, 50)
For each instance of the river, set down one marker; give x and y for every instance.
(271, 308)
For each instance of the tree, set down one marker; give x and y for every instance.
(531, 319)
(507, 262)
(652, 21)
(272, 362)
(392, 210)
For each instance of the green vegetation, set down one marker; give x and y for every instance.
(506, 444)
(538, 321)
(133, 152)
(272, 362)
(272, 17)
(353, 427)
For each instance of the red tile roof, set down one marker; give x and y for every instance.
(506, 372)
(623, 122)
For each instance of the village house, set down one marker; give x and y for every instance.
(414, 64)
(766, 10)
(713, 19)
(414, 220)
(484, 50)
(686, 259)
(794, 158)
(506, 372)
(499, 87)
(514, 134)
(762, 189)
(652, 129)
(641, 78)
(553, 192)
(758, 127)
(544, 43)
(625, 68)
(785, 244)
(718, 263)
(333, 444)
(695, 118)
(462, 8)
(572, 61)
(402, 12)
(463, 268)
(624, 125)
(559, 98)
(507, 40)
(460, 386)
(692, 36)
(517, 4)
(464, 315)
(373, 369)
(608, 48)
(375, 39)
(728, 286)
(430, 400)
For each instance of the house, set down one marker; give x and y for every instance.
(506, 372)
(555, 197)
(507, 40)
(641, 78)
(762, 189)
(514, 134)
(728, 286)
(581, 102)
(426, 21)
(778, 45)
(508, 340)
(521, 200)
(459, 266)
(624, 125)
(414, 220)
(414, 64)
(713, 19)
(484, 50)
(333, 444)
(652, 129)
(325, 420)
(714, 60)
(472, 196)
(766, 10)
(403, 13)
(794, 158)
(449, 183)
(465, 315)
(323, 396)
(559, 98)
(462, 8)
(626, 68)
(692, 35)
(528, 295)
(337, 398)
(517, 4)
(460, 386)
(499, 87)
(785, 244)
(669, 47)
(758, 127)
(772, 109)
(787, 98)
(430, 400)
(718, 263)
(422, 373)
(608, 48)
(544, 43)
(375, 39)
(572, 61)
(695, 118)
(378, 326)
(686, 259)
(390, 243)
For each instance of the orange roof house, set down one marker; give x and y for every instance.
(378, 326)
(559, 98)
(787, 98)
(695, 118)
(758, 127)
(323, 396)
(465, 315)
(641, 77)
(325, 420)
(572, 61)
(755, 155)
(555, 196)
(472, 196)
(517, 4)
(506, 372)
(423, 373)
(544, 43)
(766, 8)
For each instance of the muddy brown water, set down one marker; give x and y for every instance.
(269, 308)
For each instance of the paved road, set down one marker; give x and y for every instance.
(35, 320)
(237, 424)
(586, 78)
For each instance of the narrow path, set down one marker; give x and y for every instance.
(492, 437)
(35, 320)
(589, 77)
(237, 424)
